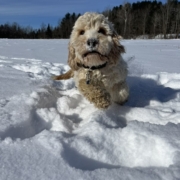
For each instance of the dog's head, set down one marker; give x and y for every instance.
(93, 42)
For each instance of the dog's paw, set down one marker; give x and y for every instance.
(96, 94)
(103, 101)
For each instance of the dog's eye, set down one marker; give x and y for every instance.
(81, 32)
(102, 31)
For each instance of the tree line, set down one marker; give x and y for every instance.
(62, 30)
(146, 19)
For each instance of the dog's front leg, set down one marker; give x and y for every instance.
(95, 93)
(120, 92)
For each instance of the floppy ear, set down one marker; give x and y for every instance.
(115, 36)
(119, 47)
(72, 59)
(116, 51)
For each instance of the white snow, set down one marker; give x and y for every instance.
(49, 131)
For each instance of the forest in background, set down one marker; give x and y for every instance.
(131, 20)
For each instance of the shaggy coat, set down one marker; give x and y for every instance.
(96, 62)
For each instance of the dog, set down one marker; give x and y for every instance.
(95, 61)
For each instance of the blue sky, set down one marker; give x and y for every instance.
(35, 12)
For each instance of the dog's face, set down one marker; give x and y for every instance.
(93, 42)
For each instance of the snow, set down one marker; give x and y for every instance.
(49, 131)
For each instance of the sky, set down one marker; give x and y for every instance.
(36, 12)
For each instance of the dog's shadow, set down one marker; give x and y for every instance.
(144, 90)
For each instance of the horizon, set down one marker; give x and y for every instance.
(36, 13)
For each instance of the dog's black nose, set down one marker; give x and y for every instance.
(92, 42)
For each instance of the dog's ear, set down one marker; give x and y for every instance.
(72, 58)
(120, 47)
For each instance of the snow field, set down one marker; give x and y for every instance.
(49, 131)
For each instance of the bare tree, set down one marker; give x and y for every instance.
(43, 31)
(156, 22)
(126, 9)
(123, 15)
(166, 11)
(129, 25)
(107, 11)
(177, 22)
(145, 14)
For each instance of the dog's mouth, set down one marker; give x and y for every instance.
(93, 59)
(92, 53)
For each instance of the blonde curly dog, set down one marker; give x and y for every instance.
(96, 62)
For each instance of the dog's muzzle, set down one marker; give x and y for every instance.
(92, 43)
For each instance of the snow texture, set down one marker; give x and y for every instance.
(49, 131)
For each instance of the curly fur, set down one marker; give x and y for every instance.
(94, 42)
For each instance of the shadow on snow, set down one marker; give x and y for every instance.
(143, 90)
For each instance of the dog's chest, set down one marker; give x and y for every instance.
(89, 74)
(108, 77)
